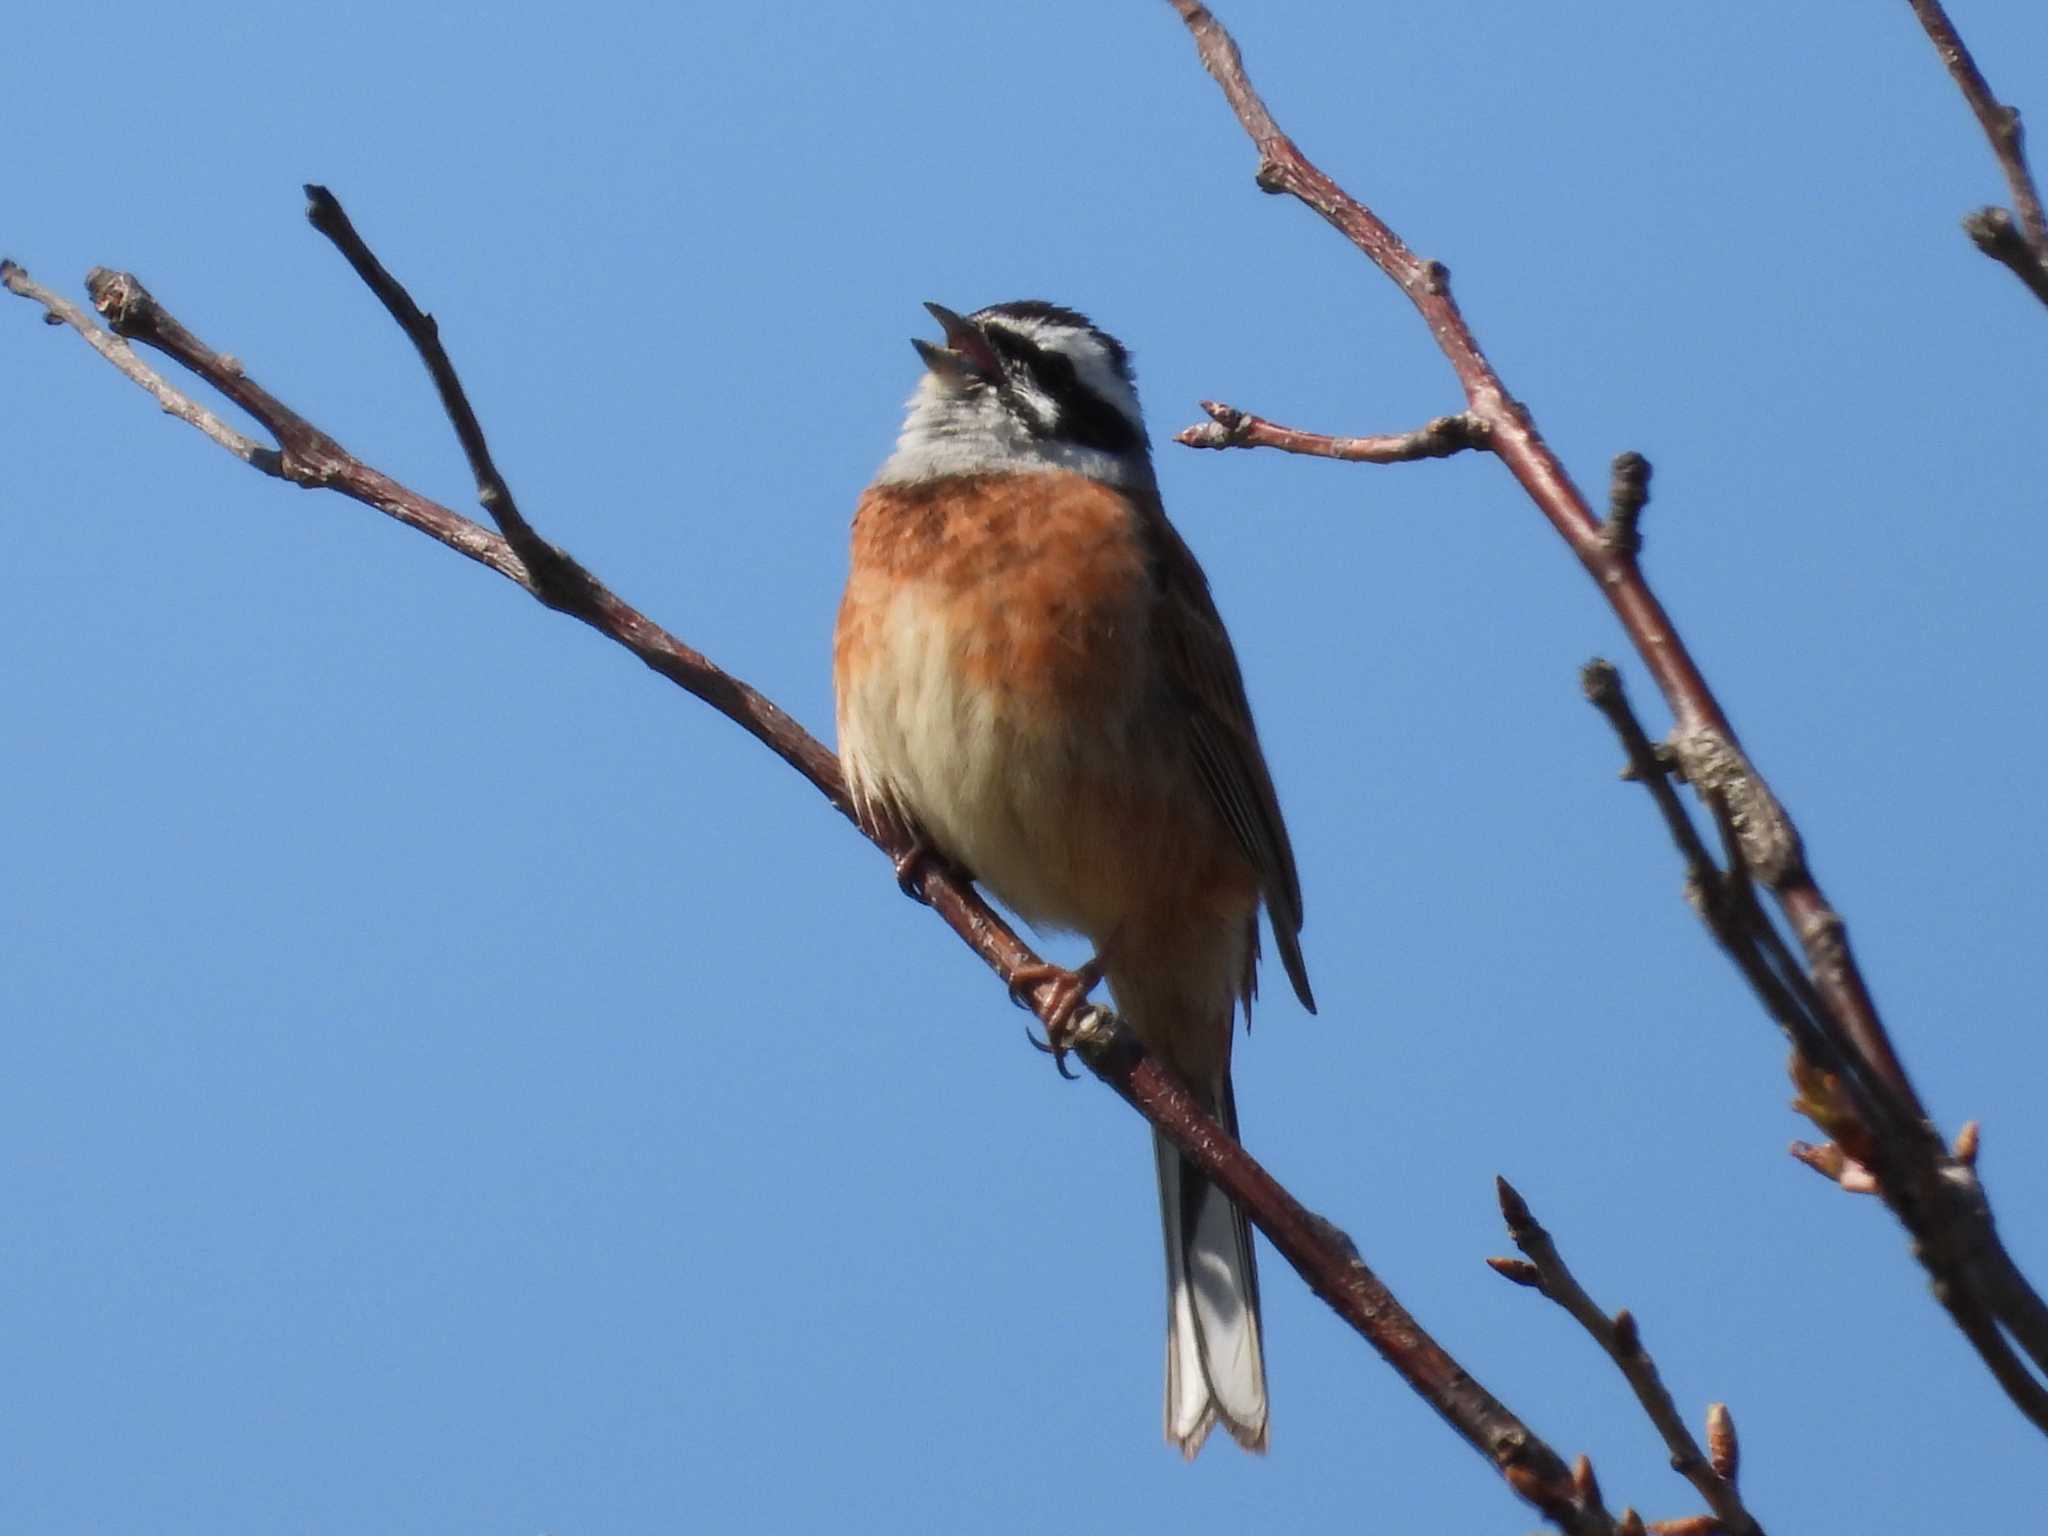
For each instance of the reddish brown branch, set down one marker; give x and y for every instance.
(61, 311)
(1938, 1199)
(1970, 1280)
(1712, 1472)
(2021, 245)
(1325, 1258)
(1702, 726)
(1228, 427)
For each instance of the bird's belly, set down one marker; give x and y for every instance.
(1026, 745)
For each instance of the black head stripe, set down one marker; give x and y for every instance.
(1065, 319)
(1084, 417)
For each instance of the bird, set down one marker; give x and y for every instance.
(1033, 684)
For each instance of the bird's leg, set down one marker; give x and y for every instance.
(1070, 991)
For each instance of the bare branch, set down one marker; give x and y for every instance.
(305, 455)
(1826, 1004)
(1620, 1337)
(2022, 246)
(556, 579)
(1322, 1254)
(1228, 427)
(1970, 1281)
(61, 311)
(1512, 436)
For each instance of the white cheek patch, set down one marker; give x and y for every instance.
(1043, 410)
(1095, 370)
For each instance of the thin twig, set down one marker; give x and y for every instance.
(1967, 1280)
(1228, 427)
(1323, 1255)
(1621, 1339)
(1938, 1200)
(556, 579)
(61, 311)
(1993, 232)
(305, 455)
(2001, 123)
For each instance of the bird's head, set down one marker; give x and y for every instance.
(1019, 387)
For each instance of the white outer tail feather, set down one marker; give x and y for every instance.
(1215, 1361)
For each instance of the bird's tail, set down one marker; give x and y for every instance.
(1215, 1363)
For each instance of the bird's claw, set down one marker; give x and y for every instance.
(1070, 993)
(911, 866)
(1058, 1055)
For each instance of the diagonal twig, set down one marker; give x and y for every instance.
(2022, 243)
(61, 311)
(1711, 1472)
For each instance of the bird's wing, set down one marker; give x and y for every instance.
(1203, 668)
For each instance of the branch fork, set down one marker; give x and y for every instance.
(1712, 1471)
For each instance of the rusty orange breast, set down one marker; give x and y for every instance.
(1038, 581)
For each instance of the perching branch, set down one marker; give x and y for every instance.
(1324, 1256)
(1852, 1077)
(1712, 1472)
(2022, 243)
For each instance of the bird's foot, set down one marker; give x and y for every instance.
(916, 862)
(1070, 992)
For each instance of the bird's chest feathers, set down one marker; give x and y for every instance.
(993, 662)
(1022, 600)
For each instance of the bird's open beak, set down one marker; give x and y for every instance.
(966, 354)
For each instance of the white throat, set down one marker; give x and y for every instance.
(950, 431)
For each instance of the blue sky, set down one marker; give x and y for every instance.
(457, 1083)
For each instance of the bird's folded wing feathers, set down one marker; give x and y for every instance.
(1225, 743)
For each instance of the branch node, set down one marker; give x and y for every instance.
(1724, 777)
